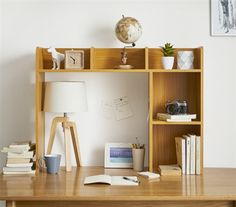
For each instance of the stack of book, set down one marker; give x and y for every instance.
(19, 158)
(170, 170)
(188, 153)
(176, 118)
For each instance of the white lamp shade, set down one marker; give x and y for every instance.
(65, 97)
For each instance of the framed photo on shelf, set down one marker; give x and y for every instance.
(74, 59)
(118, 155)
(223, 17)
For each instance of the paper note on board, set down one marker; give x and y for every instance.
(122, 108)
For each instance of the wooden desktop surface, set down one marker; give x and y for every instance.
(214, 185)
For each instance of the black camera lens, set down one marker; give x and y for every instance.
(172, 108)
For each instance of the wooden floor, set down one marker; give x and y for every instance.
(216, 187)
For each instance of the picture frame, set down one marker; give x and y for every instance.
(74, 59)
(223, 17)
(118, 155)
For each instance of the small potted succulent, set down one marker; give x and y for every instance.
(168, 56)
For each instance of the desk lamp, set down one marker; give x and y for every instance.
(65, 97)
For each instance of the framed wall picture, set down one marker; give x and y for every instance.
(74, 59)
(118, 155)
(223, 17)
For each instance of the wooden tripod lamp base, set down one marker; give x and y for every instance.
(69, 128)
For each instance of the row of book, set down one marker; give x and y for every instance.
(176, 118)
(19, 158)
(188, 153)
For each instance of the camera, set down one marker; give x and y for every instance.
(176, 107)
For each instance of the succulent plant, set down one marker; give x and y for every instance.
(168, 50)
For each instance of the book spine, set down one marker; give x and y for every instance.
(187, 142)
(20, 156)
(192, 154)
(178, 120)
(20, 165)
(31, 153)
(198, 154)
(183, 156)
(19, 173)
(178, 152)
(176, 117)
(16, 169)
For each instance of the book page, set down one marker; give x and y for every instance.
(119, 180)
(106, 179)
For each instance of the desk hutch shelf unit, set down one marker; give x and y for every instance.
(164, 85)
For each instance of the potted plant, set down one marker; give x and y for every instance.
(168, 56)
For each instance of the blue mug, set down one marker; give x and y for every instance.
(52, 162)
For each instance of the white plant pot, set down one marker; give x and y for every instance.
(168, 62)
(185, 60)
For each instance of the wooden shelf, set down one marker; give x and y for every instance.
(158, 122)
(121, 70)
(176, 71)
(93, 70)
(164, 85)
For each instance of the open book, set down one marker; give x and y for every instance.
(111, 180)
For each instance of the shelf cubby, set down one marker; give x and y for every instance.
(46, 59)
(177, 86)
(164, 152)
(155, 56)
(110, 58)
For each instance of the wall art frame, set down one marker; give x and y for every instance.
(223, 17)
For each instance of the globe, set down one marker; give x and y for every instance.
(128, 30)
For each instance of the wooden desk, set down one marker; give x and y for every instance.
(216, 187)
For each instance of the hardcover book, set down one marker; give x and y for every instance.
(198, 155)
(169, 170)
(179, 117)
(180, 153)
(187, 154)
(149, 175)
(192, 154)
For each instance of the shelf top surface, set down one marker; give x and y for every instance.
(214, 184)
(119, 70)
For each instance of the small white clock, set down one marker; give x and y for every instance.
(74, 59)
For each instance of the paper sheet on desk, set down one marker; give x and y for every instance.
(119, 180)
(122, 108)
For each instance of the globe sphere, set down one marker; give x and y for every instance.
(128, 30)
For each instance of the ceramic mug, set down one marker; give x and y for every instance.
(51, 162)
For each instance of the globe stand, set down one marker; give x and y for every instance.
(124, 59)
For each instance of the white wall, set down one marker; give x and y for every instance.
(99, 125)
(26, 24)
(2, 203)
